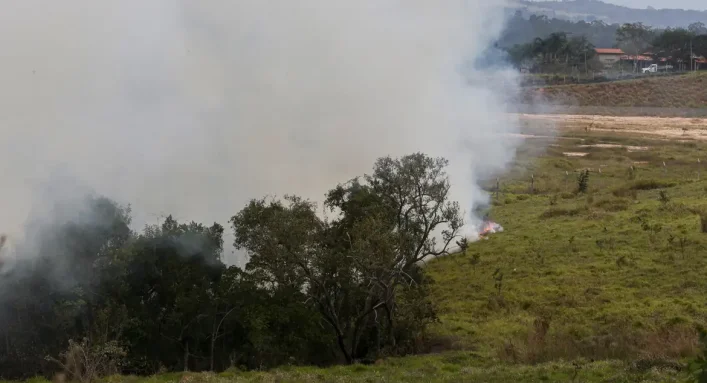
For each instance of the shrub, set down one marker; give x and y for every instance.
(651, 185)
(562, 212)
(698, 366)
(631, 189)
(583, 181)
(613, 204)
(84, 362)
(702, 213)
(654, 347)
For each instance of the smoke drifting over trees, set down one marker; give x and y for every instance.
(191, 108)
(195, 108)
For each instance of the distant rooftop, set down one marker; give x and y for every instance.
(609, 51)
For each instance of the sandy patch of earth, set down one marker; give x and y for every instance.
(611, 146)
(574, 154)
(665, 127)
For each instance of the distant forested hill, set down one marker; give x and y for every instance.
(591, 10)
(521, 30)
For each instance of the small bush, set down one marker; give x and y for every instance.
(84, 362)
(590, 199)
(562, 212)
(632, 188)
(541, 345)
(651, 185)
(553, 200)
(702, 213)
(583, 181)
(613, 205)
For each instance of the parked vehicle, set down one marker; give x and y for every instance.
(653, 68)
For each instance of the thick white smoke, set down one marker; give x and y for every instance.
(194, 107)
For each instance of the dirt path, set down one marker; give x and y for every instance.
(663, 127)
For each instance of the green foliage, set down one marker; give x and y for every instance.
(521, 30)
(663, 197)
(583, 181)
(314, 291)
(634, 38)
(554, 49)
(676, 45)
(447, 368)
(350, 269)
(590, 279)
(86, 362)
(698, 366)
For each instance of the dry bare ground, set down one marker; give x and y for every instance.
(655, 127)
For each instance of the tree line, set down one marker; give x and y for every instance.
(555, 53)
(559, 51)
(94, 297)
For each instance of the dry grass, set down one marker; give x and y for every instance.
(542, 344)
(686, 91)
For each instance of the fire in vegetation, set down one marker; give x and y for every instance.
(489, 227)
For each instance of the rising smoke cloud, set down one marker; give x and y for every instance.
(193, 107)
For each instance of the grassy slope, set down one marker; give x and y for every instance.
(444, 368)
(585, 266)
(614, 294)
(685, 91)
(452, 367)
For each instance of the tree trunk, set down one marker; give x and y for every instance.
(186, 356)
(391, 325)
(213, 345)
(342, 346)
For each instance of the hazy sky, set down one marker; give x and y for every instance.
(684, 4)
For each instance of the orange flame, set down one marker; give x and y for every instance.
(489, 227)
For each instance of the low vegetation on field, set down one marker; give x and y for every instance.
(452, 367)
(684, 91)
(599, 275)
(616, 272)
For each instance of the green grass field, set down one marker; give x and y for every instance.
(618, 272)
(455, 367)
(603, 286)
(449, 367)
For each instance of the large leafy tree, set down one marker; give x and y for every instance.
(170, 277)
(350, 268)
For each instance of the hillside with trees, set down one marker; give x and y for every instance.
(521, 30)
(596, 10)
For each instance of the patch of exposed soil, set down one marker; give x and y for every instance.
(658, 127)
(574, 154)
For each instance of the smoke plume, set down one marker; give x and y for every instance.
(193, 107)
